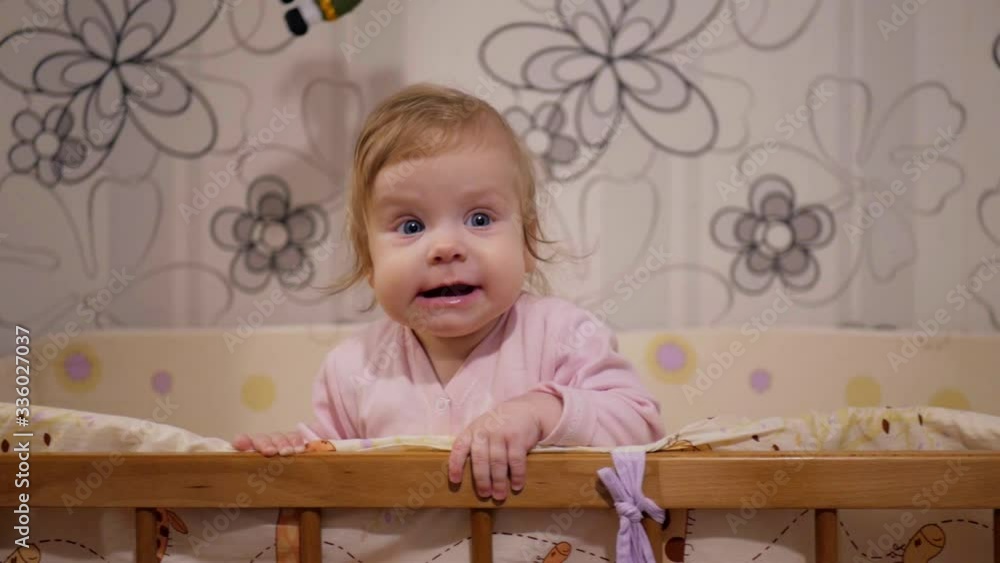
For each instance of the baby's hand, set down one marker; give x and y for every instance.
(284, 443)
(498, 441)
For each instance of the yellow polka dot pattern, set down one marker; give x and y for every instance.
(950, 399)
(864, 391)
(258, 392)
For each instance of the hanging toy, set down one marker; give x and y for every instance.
(305, 13)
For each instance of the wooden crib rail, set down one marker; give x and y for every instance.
(824, 481)
(554, 480)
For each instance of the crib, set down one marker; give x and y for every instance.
(824, 482)
(818, 445)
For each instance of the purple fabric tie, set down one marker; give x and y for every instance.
(624, 482)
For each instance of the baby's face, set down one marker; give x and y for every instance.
(445, 239)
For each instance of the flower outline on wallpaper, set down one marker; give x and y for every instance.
(44, 145)
(270, 237)
(612, 61)
(112, 76)
(542, 133)
(988, 214)
(773, 239)
(784, 40)
(983, 206)
(883, 159)
(996, 51)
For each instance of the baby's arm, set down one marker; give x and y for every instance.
(594, 398)
(603, 400)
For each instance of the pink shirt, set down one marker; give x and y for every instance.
(380, 382)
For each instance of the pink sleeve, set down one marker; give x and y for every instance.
(604, 401)
(332, 417)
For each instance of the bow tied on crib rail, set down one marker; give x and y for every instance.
(624, 482)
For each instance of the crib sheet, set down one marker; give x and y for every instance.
(239, 532)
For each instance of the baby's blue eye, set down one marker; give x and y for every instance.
(479, 220)
(411, 227)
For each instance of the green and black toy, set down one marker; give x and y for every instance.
(304, 13)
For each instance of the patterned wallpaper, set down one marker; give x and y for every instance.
(183, 163)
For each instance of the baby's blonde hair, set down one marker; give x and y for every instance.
(418, 122)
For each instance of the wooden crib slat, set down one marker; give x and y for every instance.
(996, 535)
(145, 535)
(675, 534)
(654, 532)
(310, 542)
(826, 535)
(481, 524)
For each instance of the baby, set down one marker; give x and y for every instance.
(446, 232)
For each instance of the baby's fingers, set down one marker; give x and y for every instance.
(518, 461)
(254, 442)
(242, 442)
(480, 458)
(284, 443)
(264, 444)
(498, 467)
(459, 451)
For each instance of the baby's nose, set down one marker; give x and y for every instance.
(447, 251)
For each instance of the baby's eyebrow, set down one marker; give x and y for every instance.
(485, 193)
(394, 199)
(481, 194)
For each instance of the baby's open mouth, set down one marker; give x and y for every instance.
(456, 290)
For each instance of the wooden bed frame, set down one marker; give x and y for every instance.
(677, 481)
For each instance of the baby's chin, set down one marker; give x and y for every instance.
(458, 326)
(445, 329)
